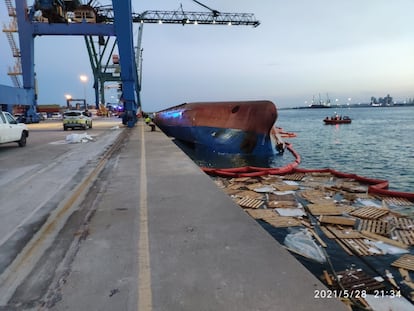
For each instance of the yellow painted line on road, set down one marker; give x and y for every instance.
(144, 267)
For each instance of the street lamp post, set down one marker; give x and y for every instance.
(68, 98)
(84, 80)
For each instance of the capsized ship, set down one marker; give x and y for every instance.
(236, 127)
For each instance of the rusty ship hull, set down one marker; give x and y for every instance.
(237, 127)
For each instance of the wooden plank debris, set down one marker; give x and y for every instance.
(406, 278)
(406, 262)
(361, 247)
(318, 238)
(345, 209)
(327, 232)
(240, 179)
(370, 212)
(282, 222)
(324, 209)
(351, 186)
(268, 179)
(261, 213)
(378, 237)
(236, 186)
(249, 202)
(338, 220)
(315, 196)
(344, 233)
(281, 186)
(249, 194)
(344, 247)
(282, 204)
(254, 186)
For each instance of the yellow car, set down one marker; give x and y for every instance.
(77, 119)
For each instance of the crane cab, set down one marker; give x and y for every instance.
(84, 13)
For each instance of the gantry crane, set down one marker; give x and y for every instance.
(71, 17)
(106, 69)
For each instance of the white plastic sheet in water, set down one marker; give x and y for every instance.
(78, 138)
(301, 242)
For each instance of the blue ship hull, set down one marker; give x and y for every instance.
(223, 140)
(223, 127)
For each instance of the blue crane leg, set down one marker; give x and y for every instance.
(124, 34)
(26, 41)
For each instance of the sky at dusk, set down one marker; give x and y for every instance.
(350, 49)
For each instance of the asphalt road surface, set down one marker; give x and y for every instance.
(36, 181)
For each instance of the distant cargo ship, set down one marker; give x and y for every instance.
(237, 127)
(321, 103)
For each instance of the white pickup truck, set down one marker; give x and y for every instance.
(11, 130)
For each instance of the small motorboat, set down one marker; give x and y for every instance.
(337, 119)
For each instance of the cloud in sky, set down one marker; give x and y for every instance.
(351, 48)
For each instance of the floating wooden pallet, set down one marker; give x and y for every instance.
(397, 201)
(402, 223)
(281, 221)
(337, 220)
(406, 262)
(282, 204)
(324, 209)
(235, 186)
(294, 177)
(352, 187)
(404, 236)
(254, 186)
(336, 233)
(361, 247)
(376, 226)
(313, 196)
(280, 186)
(240, 179)
(370, 212)
(249, 194)
(268, 179)
(355, 280)
(231, 191)
(281, 197)
(321, 174)
(345, 209)
(249, 202)
(261, 213)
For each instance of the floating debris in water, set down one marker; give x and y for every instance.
(317, 210)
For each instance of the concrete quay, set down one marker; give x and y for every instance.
(160, 235)
(164, 237)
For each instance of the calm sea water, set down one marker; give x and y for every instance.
(379, 143)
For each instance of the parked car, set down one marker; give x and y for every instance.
(20, 117)
(76, 119)
(11, 130)
(56, 116)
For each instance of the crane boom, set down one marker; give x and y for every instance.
(201, 18)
